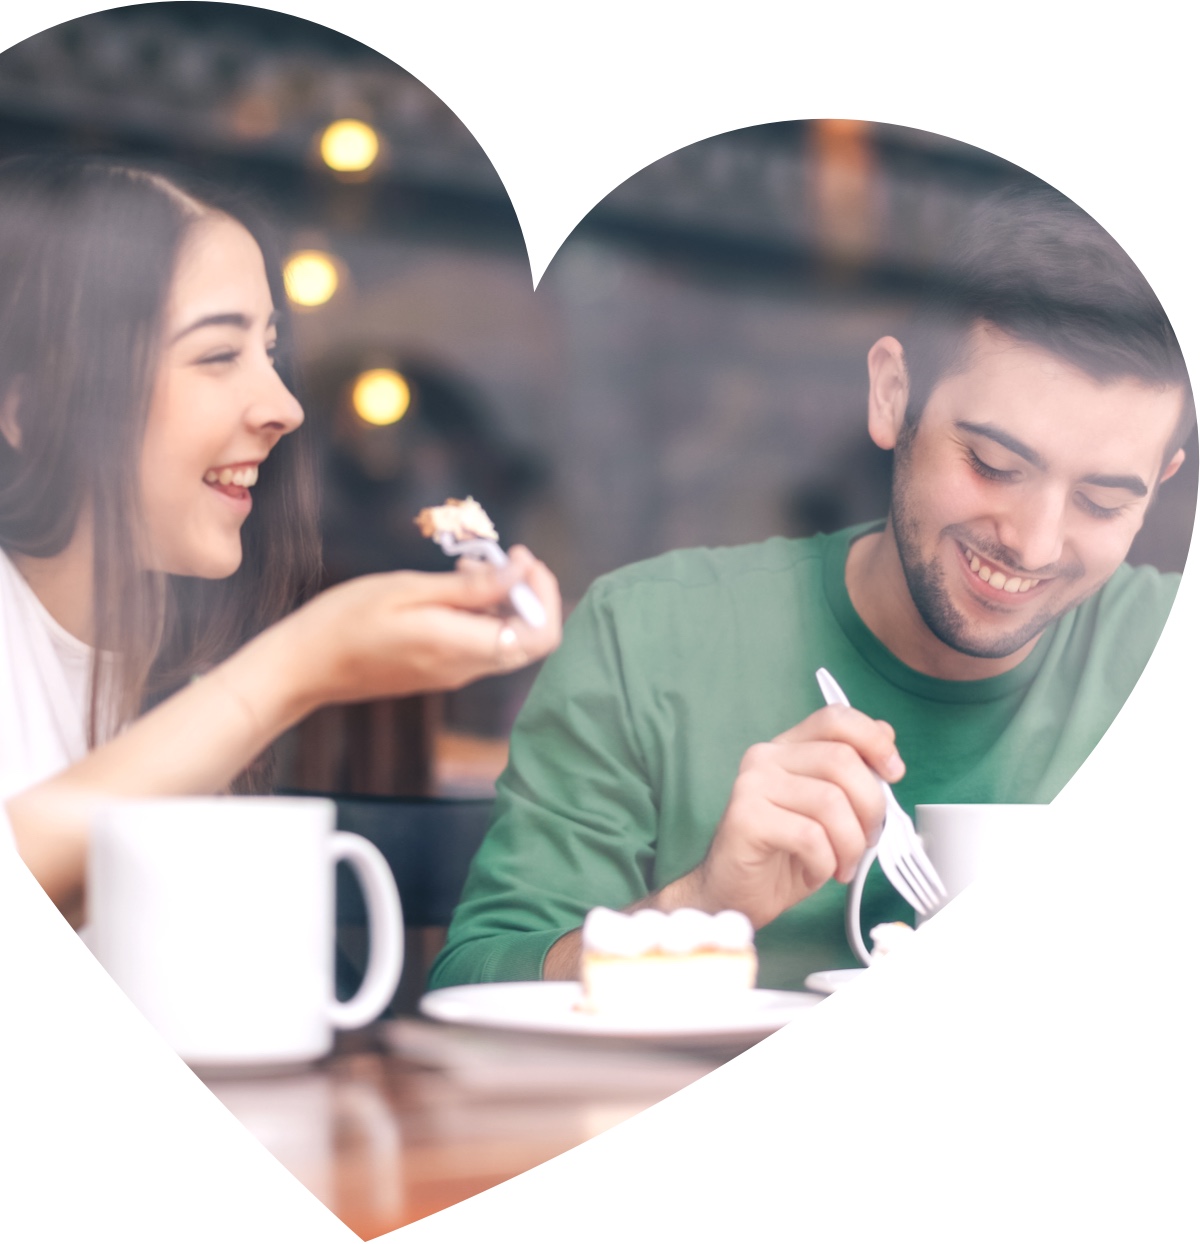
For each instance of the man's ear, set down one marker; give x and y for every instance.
(1172, 466)
(10, 427)
(888, 398)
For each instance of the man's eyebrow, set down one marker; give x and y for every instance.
(1127, 483)
(1003, 438)
(231, 319)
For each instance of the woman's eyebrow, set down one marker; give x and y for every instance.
(227, 319)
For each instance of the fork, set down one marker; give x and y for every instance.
(898, 849)
(523, 599)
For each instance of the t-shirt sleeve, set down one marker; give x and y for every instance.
(574, 824)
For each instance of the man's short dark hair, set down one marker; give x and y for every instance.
(1031, 263)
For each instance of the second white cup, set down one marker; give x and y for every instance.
(969, 841)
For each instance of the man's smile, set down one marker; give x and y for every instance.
(993, 577)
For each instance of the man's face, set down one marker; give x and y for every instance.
(1022, 489)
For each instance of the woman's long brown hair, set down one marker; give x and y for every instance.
(88, 249)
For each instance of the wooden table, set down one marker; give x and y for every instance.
(410, 1117)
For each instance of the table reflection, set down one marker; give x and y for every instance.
(411, 1117)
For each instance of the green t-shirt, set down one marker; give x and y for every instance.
(624, 756)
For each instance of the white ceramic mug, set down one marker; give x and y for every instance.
(216, 917)
(969, 841)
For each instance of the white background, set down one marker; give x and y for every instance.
(1046, 1095)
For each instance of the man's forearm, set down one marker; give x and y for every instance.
(563, 959)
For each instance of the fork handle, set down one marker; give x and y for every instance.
(854, 905)
(526, 604)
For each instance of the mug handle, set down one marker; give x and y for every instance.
(385, 931)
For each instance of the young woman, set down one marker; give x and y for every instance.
(157, 518)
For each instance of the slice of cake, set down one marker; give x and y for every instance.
(462, 520)
(650, 962)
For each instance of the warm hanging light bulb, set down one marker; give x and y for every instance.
(310, 278)
(381, 396)
(349, 146)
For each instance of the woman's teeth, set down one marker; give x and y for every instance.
(997, 578)
(240, 477)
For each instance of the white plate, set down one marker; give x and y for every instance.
(831, 980)
(549, 1006)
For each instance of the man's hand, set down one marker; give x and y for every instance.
(803, 810)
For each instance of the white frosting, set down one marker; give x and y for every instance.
(886, 938)
(685, 930)
(732, 930)
(678, 932)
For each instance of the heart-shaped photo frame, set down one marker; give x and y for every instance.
(719, 357)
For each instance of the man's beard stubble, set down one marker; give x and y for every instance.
(927, 585)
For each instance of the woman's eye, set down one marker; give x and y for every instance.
(988, 472)
(219, 356)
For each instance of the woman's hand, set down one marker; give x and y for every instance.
(406, 633)
(375, 637)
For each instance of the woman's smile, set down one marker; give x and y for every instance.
(233, 483)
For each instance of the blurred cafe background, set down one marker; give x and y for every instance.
(690, 371)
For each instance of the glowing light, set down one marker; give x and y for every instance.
(349, 146)
(310, 278)
(381, 396)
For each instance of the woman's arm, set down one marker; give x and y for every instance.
(372, 638)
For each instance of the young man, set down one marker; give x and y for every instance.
(675, 751)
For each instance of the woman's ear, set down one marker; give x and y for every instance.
(887, 402)
(10, 427)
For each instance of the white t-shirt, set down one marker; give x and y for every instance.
(45, 686)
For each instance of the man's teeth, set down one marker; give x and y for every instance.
(1007, 583)
(240, 477)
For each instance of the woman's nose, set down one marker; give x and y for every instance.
(274, 407)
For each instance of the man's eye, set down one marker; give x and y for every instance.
(1099, 511)
(988, 472)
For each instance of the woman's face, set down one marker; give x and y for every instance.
(218, 406)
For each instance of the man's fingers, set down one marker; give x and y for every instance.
(804, 840)
(840, 764)
(875, 741)
(827, 806)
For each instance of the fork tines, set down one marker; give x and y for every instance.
(909, 869)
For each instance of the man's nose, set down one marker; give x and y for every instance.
(1033, 529)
